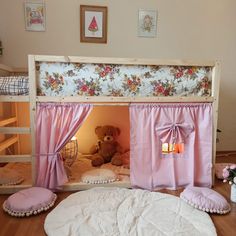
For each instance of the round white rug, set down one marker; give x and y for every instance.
(123, 212)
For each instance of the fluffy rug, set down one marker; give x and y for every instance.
(123, 212)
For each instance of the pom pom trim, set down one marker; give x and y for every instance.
(15, 182)
(218, 211)
(100, 181)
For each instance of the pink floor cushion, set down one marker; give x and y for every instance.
(205, 199)
(29, 201)
(10, 177)
(99, 176)
(219, 169)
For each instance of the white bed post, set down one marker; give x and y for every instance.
(215, 95)
(32, 94)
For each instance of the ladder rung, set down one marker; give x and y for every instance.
(15, 158)
(8, 121)
(8, 142)
(20, 98)
(9, 189)
(15, 130)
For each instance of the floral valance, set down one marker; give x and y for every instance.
(83, 79)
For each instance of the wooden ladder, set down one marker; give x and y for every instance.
(10, 131)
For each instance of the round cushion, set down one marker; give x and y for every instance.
(99, 176)
(29, 201)
(219, 169)
(205, 199)
(10, 177)
(120, 211)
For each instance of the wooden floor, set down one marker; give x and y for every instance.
(33, 226)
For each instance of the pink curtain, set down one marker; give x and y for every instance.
(154, 124)
(56, 124)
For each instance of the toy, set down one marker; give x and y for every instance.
(107, 148)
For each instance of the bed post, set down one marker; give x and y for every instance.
(32, 94)
(215, 95)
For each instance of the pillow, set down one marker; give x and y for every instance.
(14, 85)
(9, 177)
(205, 199)
(219, 169)
(99, 176)
(29, 201)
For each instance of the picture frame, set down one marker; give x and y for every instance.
(35, 16)
(147, 23)
(93, 24)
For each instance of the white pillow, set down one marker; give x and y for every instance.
(99, 176)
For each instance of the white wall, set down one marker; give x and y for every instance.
(187, 29)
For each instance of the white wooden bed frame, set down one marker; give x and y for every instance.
(106, 101)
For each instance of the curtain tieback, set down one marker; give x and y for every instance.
(49, 154)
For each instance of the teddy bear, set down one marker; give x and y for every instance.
(107, 148)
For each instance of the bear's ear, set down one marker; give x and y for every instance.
(97, 129)
(118, 131)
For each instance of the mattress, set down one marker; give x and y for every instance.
(14, 85)
(80, 166)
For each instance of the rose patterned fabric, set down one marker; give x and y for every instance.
(75, 79)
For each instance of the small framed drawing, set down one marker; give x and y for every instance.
(147, 23)
(93, 24)
(35, 16)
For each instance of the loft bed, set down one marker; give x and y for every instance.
(117, 82)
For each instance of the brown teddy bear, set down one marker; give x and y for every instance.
(107, 148)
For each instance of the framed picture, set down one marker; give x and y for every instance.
(93, 24)
(35, 16)
(147, 23)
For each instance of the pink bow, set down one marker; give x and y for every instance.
(174, 133)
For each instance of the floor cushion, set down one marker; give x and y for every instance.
(29, 201)
(219, 169)
(205, 199)
(10, 177)
(119, 211)
(99, 176)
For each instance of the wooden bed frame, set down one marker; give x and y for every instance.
(33, 98)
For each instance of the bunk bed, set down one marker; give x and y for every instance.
(90, 81)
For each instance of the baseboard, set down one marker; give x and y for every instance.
(226, 153)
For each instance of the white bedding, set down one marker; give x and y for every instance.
(116, 211)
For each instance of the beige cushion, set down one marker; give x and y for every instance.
(9, 177)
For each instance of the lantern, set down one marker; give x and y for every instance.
(69, 152)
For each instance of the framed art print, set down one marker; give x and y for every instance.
(147, 23)
(34, 16)
(93, 24)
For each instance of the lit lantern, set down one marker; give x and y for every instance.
(165, 148)
(69, 152)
